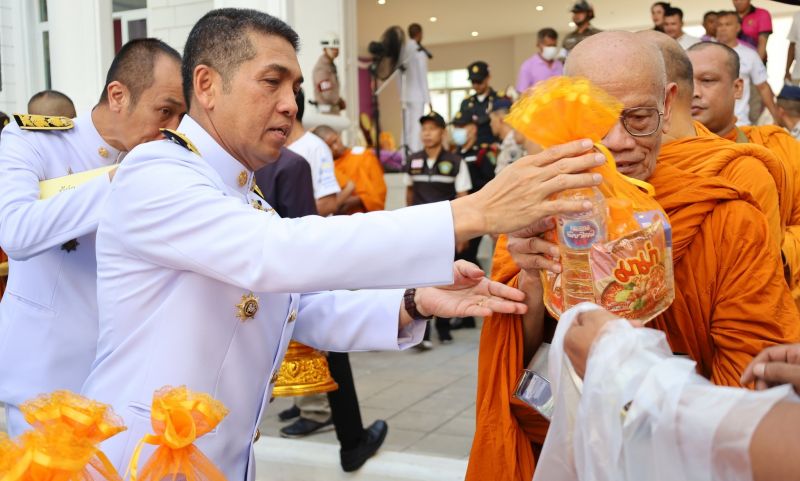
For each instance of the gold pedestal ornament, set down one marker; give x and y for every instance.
(304, 371)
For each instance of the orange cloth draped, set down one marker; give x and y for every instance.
(366, 172)
(749, 167)
(787, 149)
(728, 307)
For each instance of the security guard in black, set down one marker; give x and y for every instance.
(478, 106)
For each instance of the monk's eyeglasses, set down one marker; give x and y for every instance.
(641, 121)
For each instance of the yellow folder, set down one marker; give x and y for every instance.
(49, 188)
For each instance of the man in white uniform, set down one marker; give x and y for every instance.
(48, 316)
(414, 91)
(194, 270)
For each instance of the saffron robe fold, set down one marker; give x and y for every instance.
(362, 167)
(787, 149)
(731, 302)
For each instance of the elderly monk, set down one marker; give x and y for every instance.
(357, 165)
(690, 146)
(716, 87)
(731, 299)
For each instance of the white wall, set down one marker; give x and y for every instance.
(15, 50)
(172, 20)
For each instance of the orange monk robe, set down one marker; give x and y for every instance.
(362, 167)
(749, 167)
(787, 149)
(731, 302)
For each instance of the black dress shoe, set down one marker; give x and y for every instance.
(354, 458)
(288, 414)
(304, 427)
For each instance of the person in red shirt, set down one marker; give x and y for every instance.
(756, 26)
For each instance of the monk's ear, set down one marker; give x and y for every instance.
(738, 88)
(670, 91)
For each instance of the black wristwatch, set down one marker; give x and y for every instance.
(411, 306)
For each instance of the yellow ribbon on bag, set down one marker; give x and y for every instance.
(178, 417)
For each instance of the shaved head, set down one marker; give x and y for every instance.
(676, 63)
(732, 58)
(332, 138)
(717, 86)
(633, 72)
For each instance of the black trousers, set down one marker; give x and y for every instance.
(345, 412)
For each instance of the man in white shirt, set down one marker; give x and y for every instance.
(198, 277)
(318, 155)
(414, 92)
(751, 68)
(673, 26)
(48, 315)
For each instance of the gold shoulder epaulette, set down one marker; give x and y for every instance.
(43, 122)
(180, 139)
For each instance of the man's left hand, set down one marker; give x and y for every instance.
(471, 294)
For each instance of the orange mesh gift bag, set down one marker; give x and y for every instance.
(630, 269)
(178, 417)
(84, 418)
(53, 454)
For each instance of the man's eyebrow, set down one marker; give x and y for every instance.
(276, 67)
(174, 101)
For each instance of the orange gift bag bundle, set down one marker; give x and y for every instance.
(178, 417)
(618, 254)
(63, 444)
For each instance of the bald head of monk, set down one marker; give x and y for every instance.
(679, 72)
(717, 85)
(633, 72)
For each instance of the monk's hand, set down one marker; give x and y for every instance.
(583, 333)
(774, 366)
(531, 252)
(471, 294)
(522, 193)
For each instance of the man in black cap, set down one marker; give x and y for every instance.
(479, 104)
(789, 109)
(433, 175)
(582, 15)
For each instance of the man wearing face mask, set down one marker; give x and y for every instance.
(478, 105)
(542, 65)
(582, 15)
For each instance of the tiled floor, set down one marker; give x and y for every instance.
(427, 398)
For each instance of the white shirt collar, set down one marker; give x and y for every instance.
(232, 172)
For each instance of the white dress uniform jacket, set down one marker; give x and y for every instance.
(178, 247)
(48, 315)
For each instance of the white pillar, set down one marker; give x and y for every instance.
(81, 48)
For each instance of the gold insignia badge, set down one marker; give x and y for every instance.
(180, 139)
(475, 68)
(43, 122)
(103, 152)
(242, 178)
(248, 308)
(257, 204)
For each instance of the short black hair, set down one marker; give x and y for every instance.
(733, 57)
(414, 29)
(709, 13)
(51, 102)
(546, 32)
(134, 66)
(673, 11)
(664, 5)
(729, 13)
(300, 100)
(220, 40)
